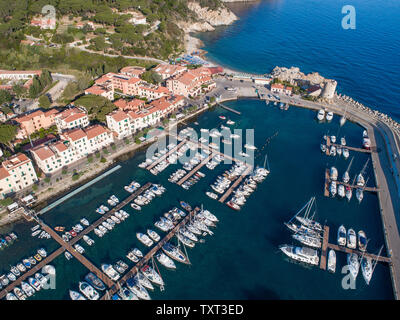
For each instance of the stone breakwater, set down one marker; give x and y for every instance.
(374, 113)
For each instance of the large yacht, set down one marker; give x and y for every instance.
(302, 254)
(110, 271)
(165, 260)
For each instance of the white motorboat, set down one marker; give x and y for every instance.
(329, 116)
(74, 295)
(137, 252)
(165, 260)
(110, 271)
(28, 290)
(343, 141)
(333, 139)
(135, 206)
(332, 261)
(321, 115)
(341, 191)
(341, 236)
(323, 148)
(132, 257)
(362, 240)
(153, 235)
(354, 264)
(143, 238)
(333, 174)
(333, 188)
(351, 239)
(250, 146)
(88, 291)
(302, 254)
(212, 195)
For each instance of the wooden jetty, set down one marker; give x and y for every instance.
(229, 109)
(328, 181)
(329, 144)
(325, 241)
(36, 268)
(163, 157)
(235, 184)
(68, 246)
(326, 245)
(148, 256)
(194, 170)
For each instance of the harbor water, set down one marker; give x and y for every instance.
(241, 260)
(309, 35)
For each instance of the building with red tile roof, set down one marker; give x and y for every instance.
(71, 118)
(16, 174)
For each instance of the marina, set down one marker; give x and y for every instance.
(228, 231)
(329, 144)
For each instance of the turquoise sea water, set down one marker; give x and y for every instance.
(308, 34)
(241, 260)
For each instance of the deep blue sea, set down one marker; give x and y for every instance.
(309, 34)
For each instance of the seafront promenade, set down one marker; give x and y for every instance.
(385, 167)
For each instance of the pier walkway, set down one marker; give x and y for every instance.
(163, 157)
(326, 245)
(235, 184)
(148, 256)
(194, 170)
(229, 109)
(328, 180)
(329, 144)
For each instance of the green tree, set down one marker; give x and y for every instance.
(7, 133)
(5, 96)
(44, 101)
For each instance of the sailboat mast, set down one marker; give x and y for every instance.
(351, 161)
(376, 261)
(298, 212)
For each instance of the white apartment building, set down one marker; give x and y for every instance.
(70, 119)
(16, 173)
(119, 122)
(53, 157)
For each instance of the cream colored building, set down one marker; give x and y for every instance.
(70, 119)
(16, 173)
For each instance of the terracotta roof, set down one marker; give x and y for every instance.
(133, 70)
(277, 86)
(60, 146)
(119, 115)
(75, 134)
(95, 131)
(95, 90)
(43, 152)
(169, 69)
(37, 72)
(16, 160)
(3, 173)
